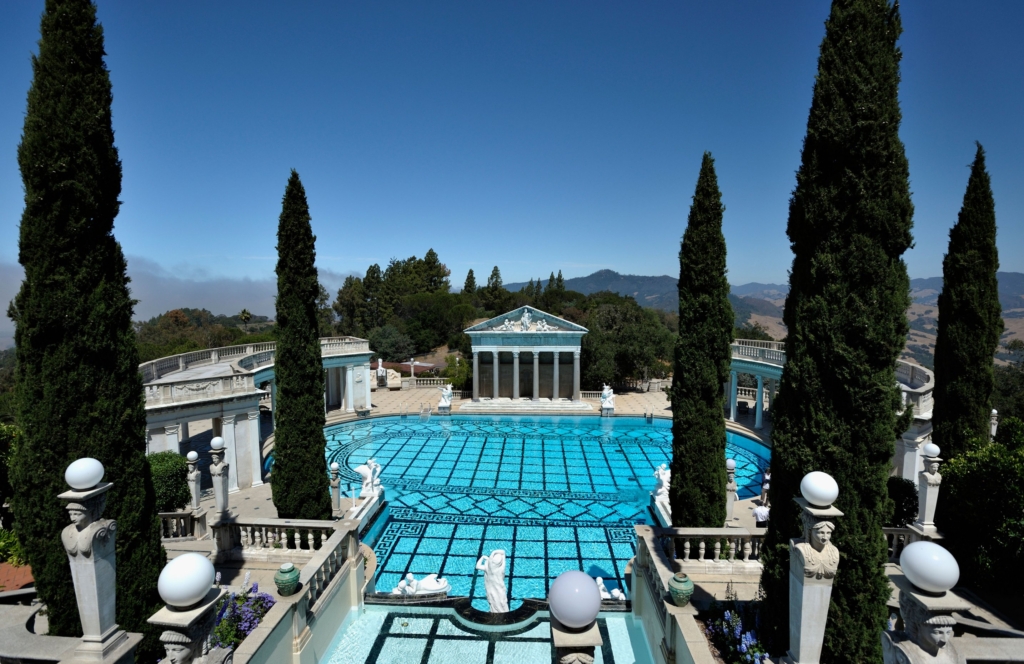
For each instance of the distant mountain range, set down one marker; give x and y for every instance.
(762, 299)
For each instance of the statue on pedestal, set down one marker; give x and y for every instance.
(493, 567)
(815, 550)
(664, 477)
(194, 478)
(87, 528)
(370, 472)
(181, 649)
(931, 473)
(607, 397)
(219, 474)
(446, 396)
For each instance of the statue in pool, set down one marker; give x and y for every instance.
(446, 396)
(607, 397)
(493, 567)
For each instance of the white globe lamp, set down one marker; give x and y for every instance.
(185, 580)
(931, 450)
(217, 443)
(334, 465)
(192, 456)
(574, 599)
(730, 464)
(929, 567)
(819, 489)
(84, 474)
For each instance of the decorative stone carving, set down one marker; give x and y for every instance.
(187, 637)
(370, 472)
(335, 488)
(929, 480)
(428, 585)
(219, 474)
(493, 567)
(446, 396)
(607, 397)
(524, 322)
(194, 478)
(664, 477)
(730, 489)
(544, 326)
(820, 559)
(927, 636)
(507, 326)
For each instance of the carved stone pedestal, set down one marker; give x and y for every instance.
(90, 544)
(813, 561)
(444, 410)
(927, 637)
(607, 412)
(575, 646)
(186, 632)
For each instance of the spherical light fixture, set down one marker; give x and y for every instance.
(192, 456)
(185, 580)
(929, 567)
(574, 599)
(217, 443)
(931, 450)
(730, 464)
(334, 465)
(819, 489)
(84, 474)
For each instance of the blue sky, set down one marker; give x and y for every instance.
(533, 135)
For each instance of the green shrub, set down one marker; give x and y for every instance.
(981, 515)
(170, 480)
(10, 549)
(903, 493)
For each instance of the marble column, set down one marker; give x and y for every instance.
(327, 381)
(496, 363)
(228, 434)
(273, 403)
(350, 391)
(554, 376)
(759, 406)
(254, 447)
(732, 396)
(515, 374)
(536, 375)
(171, 438)
(576, 375)
(476, 375)
(366, 379)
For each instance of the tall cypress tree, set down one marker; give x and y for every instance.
(79, 391)
(702, 358)
(300, 487)
(970, 320)
(470, 285)
(849, 225)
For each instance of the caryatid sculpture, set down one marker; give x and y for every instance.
(927, 637)
(194, 478)
(815, 551)
(493, 567)
(182, 649)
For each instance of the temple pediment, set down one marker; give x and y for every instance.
(526, 320)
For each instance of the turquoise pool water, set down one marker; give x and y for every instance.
(388, 636)
(556, 493)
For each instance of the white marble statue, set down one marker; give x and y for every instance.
(926, 639)
(493, 567)
(382, 372)
(607, 397)
(446, 396)
(524, 322)
(507, 326)
(87, 528)
(428, 585)
(664, 477)
(931, 475)
(543, 326)
(815, 551)
(183, 649)
(370, 472)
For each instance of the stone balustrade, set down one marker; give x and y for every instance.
(269, 539)
(177, 526)
(897, 539)
(713, 550)
(323, 567)
(156, 369)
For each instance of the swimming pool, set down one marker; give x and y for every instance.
(557, 493)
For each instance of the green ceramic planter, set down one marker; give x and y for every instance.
(681, 588)
(287, 580)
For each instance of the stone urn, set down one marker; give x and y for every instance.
(681, 588)
(287, 580)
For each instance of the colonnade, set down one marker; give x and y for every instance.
(343, 385)
(732, 388)
(535, 355)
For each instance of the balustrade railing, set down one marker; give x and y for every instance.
(179, 526)
(761, 354)
(323, 567)
(431, 382)
(756, 343)
(704, 547)
(195, 390)
(241, 538)
(156, 369)
(897, 539)
(588, 394)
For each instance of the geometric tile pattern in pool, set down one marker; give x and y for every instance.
(557, 494)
